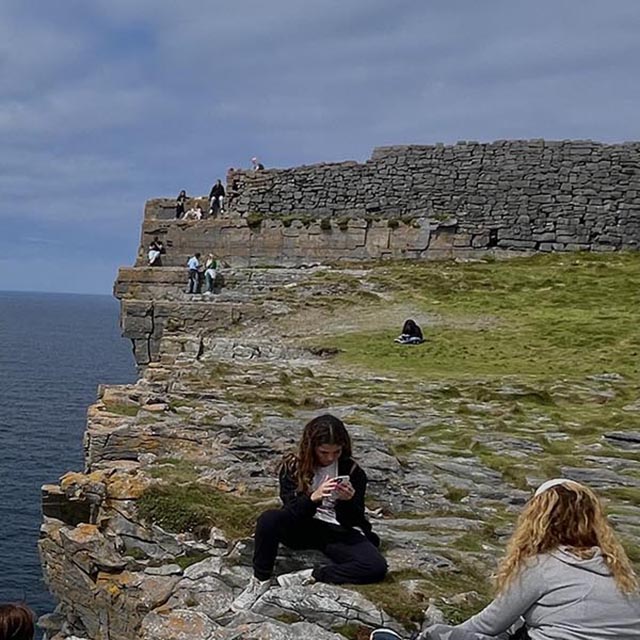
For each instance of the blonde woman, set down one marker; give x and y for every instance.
(564, 576)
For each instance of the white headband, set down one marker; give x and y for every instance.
(552, 483)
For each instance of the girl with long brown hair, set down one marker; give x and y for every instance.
(16, 622)
(322, 491)
(565, 576)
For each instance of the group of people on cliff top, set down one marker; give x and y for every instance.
(216, 199)
(564, 575)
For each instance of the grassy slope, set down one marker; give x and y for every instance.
(569, 315)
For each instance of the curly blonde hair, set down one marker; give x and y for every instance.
(567, 514)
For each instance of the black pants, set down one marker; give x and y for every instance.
(355, 560)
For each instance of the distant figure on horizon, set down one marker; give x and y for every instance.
(180, 202)
(156, 249)
(193, 264)
(411, 333)
(256, 165)
(216, 198)
(17, 622)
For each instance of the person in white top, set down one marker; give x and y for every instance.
(322, 491)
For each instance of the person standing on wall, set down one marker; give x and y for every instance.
(210, 272)
(180, 203)
(193, 264)
(216, 199)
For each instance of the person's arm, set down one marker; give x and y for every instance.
(351, 512)
(299, 504)
(505, 610)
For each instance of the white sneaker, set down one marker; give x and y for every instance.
(384, 634)
(254, 590)
(296, 579)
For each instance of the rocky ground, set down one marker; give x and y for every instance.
(153, 540)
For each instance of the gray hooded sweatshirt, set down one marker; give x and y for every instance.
(560, 597)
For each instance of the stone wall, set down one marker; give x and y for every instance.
(527, 195)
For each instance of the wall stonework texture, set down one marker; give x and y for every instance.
(534, 195)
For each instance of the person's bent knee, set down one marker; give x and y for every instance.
(373, 570)
(378, 570)
(271, 520)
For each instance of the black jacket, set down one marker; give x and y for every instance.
(349, 513)
(216, 191)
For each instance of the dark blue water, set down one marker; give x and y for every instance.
(54, 350)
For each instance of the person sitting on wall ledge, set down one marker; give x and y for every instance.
(411, 333)
(156, 249)
(16, 622)
(216, 199)
(180, 203)
(565, 576)
(195, 213)
(256, 165)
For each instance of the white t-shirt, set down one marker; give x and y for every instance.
(327, 509)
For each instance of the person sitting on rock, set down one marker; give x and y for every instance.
(216, 198)
(411, 333)
(256, 165)
(322, 491)
(565, 576)
(195, 213)
(16, 622)
(156, 249)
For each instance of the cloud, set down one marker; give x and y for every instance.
(107, 103)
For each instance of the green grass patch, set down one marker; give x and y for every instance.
(174, 470)
(551, 316)
(122, 409)
(186, 561)
(407, 605)
(180, 508)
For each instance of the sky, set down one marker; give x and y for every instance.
(107, 103)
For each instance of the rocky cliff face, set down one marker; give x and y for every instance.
(153, 539)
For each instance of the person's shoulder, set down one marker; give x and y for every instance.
(539, 565)
(349, 466)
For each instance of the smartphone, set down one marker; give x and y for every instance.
(341, 479)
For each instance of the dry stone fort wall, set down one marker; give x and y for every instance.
(423, 201)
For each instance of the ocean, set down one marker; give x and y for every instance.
(54, 351)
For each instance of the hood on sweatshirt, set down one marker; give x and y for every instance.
(594, 564)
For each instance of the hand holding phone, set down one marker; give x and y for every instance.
(344, 489)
